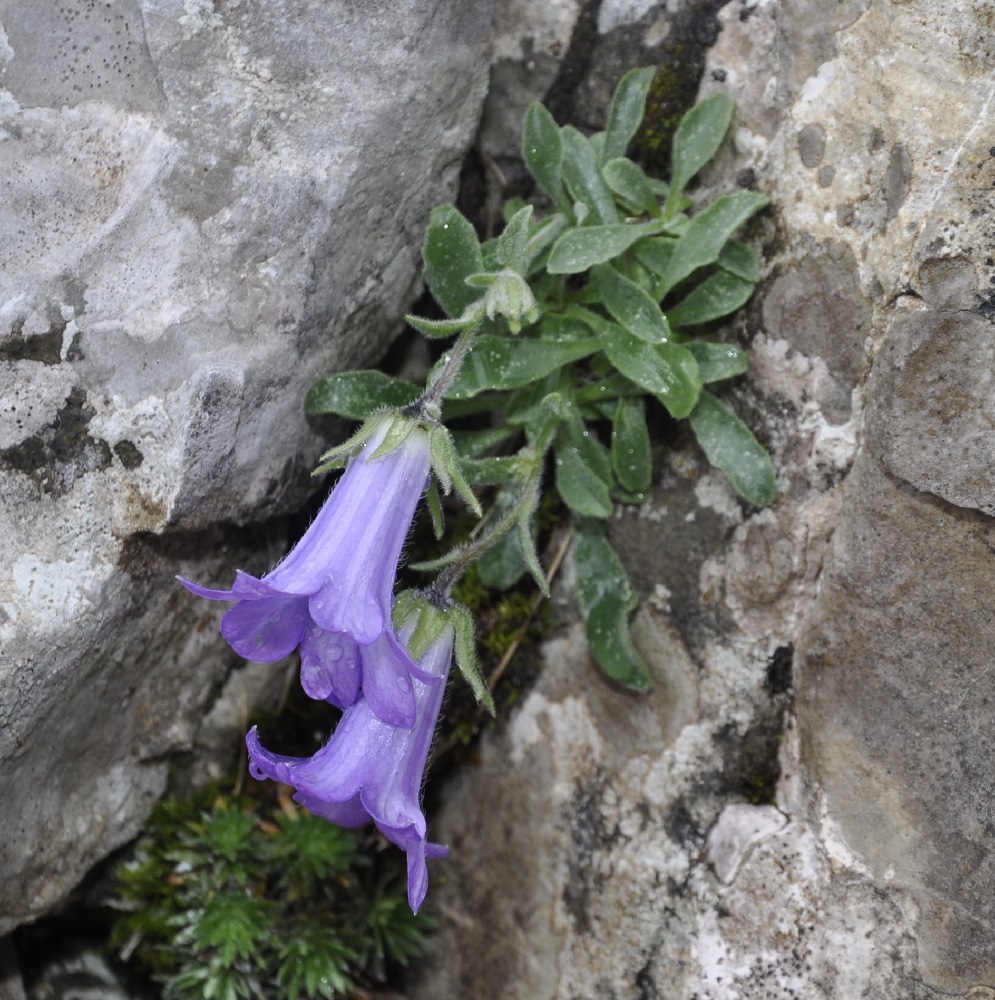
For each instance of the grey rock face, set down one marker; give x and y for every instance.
(204, 207)
(614, 848)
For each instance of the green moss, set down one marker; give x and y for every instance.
(238, 893)
(671, 94)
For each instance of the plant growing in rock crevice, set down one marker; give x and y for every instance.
(568, 328)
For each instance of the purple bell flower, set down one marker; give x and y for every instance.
(332, 594)
(372, 770)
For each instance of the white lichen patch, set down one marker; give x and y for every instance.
(714, 492)
(52, 594)
(567, 724)
(618, 13)
(739, 828)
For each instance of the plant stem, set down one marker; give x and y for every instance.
(434, 394)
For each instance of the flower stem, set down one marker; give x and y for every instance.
(431, 399)
(524, 506)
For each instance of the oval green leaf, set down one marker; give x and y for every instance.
(356, 395)
(730, 446)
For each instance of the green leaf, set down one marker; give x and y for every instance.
(717, 361)
(434, 503)
(607, 390)
(696, 141)
(578, 250)
(357, 394)
(540, 240)
(542, 150)
(490, 471)
(498, 363)
(470, 444)
(627, 110)
(730, 446)
(669, 371)
(582, 491)
(741, 260)
(606, 599)
(707, 234)
(503, 564)
(631, 456)
(630, 186)
(583, 468)
(525, 530)
(512, 207)
(630, 305)
(524, 408)
(451, 252)
(512, 243)
(465, 654)
(446, 465)
(655, 253)
(718, 295)
(582, 177)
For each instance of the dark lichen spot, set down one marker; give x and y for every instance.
(57, 454)
(44, 347)
(681, 827)
(646, 984)
(589, 836)
(129, 455)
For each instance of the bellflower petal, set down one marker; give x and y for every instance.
(370, 769)
(332, 593)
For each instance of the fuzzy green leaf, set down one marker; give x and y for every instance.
(451, 252)
(542, 150)
(498, 363)
(503, 564)
(696, 141)
(655, 253)
(669, 371)
(578, 250)
(465, 654)
(470, 444)
(582, 177)
(446, 465)
(730, 446)
(630, 186)
(434, 503)
(718, 295)
(741, 260)
(606, 599)
(627, 110)
(631, 456)
(630, 305)
(717, 361)
(490, 471)
(513, 241)
(357, 394)
(707, 234)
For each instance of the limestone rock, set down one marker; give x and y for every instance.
(747, 846)
(204, 207)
